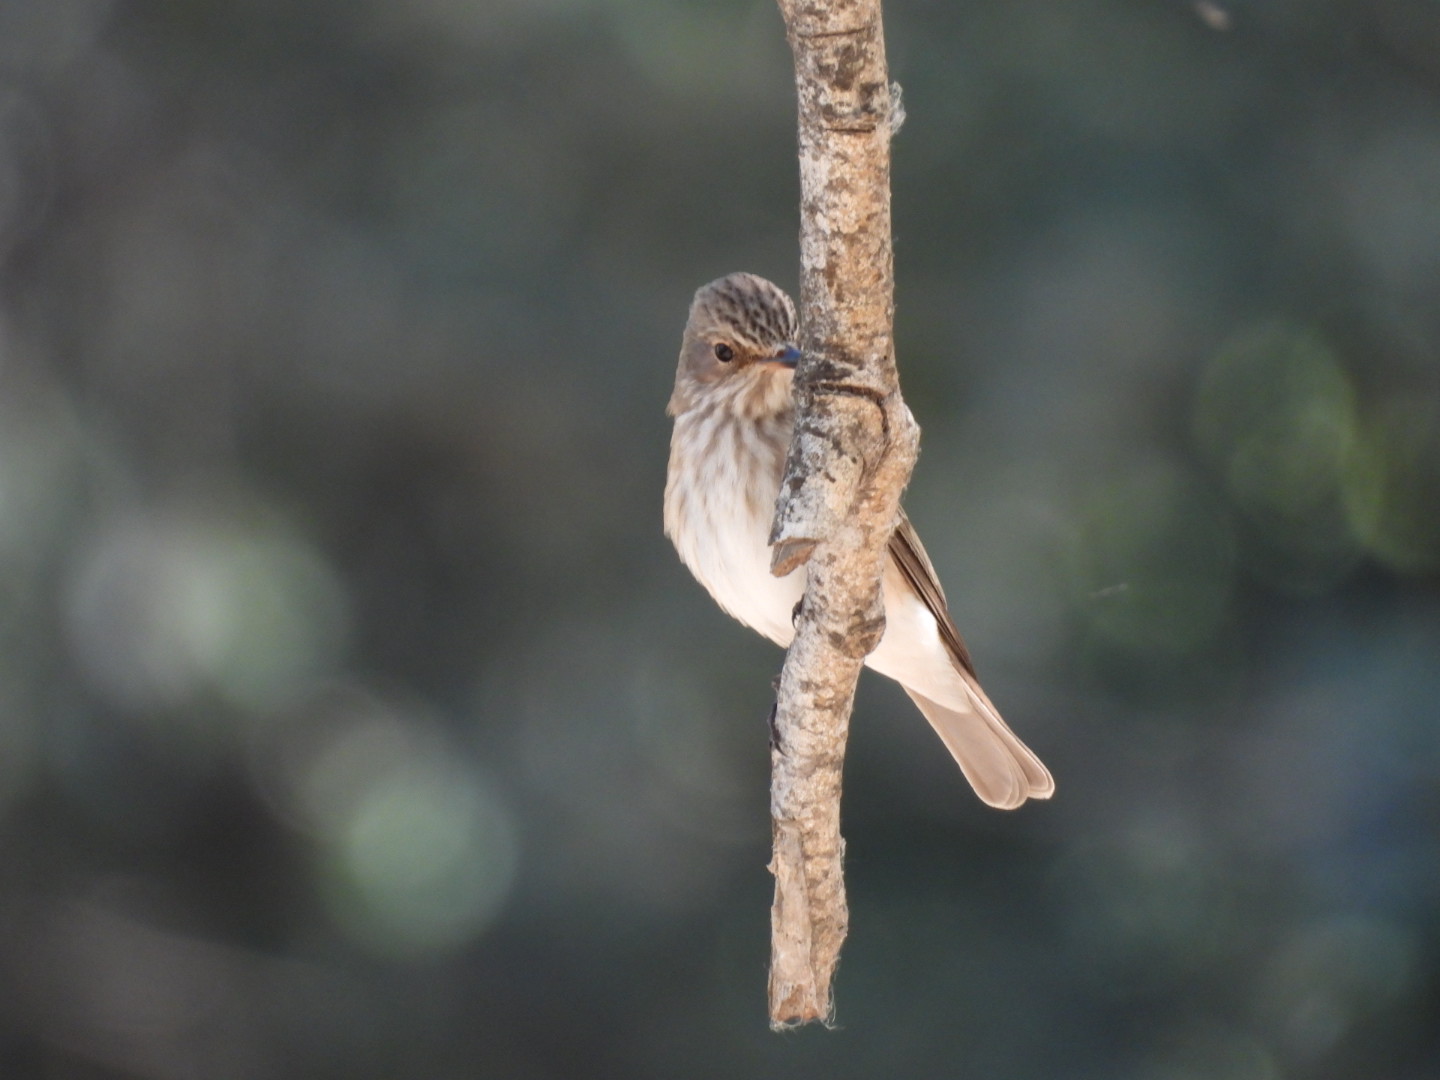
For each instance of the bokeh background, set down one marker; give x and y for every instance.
(357, 721)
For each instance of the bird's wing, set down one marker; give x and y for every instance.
(1002, 769)
(910, 558)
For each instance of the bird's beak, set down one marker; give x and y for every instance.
(788, 357)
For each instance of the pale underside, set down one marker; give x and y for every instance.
(723, 542)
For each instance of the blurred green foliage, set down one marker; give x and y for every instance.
(355, 718)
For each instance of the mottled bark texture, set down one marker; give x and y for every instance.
(854, 447)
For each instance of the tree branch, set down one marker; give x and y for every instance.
(851, 455)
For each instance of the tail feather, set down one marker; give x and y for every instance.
(1003, 771)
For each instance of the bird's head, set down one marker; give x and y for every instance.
(739, 348)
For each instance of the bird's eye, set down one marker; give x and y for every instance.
(724, 353)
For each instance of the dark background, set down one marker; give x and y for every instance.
(357, 721)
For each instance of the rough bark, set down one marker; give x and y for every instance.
(853, 450)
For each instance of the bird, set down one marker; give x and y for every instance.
(733, 414)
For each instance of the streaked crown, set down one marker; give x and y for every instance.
(754, 311)
(738, 351)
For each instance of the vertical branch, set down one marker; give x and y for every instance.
(850, 458)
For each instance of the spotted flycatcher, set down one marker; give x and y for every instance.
(733, 416)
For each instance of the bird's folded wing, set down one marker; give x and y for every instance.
(910, 558)
(1003, 771)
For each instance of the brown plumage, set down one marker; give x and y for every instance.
(733, 417)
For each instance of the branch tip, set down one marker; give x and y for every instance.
(788, 556)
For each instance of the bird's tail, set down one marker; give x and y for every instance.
(1003, 771)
